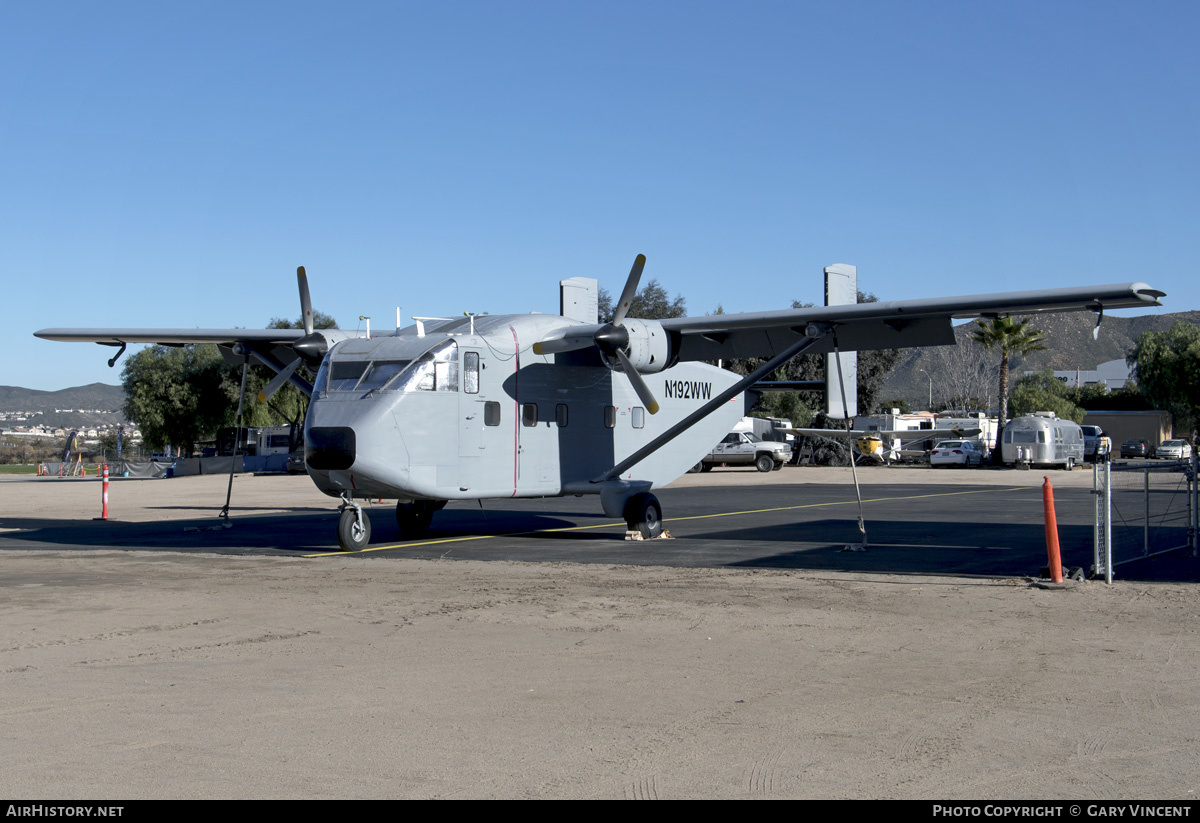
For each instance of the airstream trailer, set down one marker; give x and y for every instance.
(1042, 439)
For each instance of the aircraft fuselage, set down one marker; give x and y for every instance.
(456, 410)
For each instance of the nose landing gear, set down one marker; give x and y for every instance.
(354, 527)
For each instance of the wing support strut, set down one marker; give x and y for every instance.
(862, 526)
(237, 439)
(813, 334)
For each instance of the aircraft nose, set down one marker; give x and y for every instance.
(329, 448)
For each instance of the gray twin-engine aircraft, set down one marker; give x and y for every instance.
(537, 405)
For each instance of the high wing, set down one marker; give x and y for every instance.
(173, 337)
(864, 326)
(283, 350)
(271, 347)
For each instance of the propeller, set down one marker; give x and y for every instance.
(612, 339)
(312, 346)
(309, 349)
(277, 381)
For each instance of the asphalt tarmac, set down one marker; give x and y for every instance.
(919, 521)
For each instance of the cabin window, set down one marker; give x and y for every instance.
(491, 413)
(638, 417)
(471, 372)
(560, 415)
(529, 414)
(610, 416)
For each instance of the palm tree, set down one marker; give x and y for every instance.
(1010, 337)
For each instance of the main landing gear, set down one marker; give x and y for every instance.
(643, 514)
(413, 517)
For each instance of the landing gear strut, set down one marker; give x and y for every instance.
(354, 527)
(414, 516)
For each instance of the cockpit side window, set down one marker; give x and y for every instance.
(435, 370)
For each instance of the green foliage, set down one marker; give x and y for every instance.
(178, 394)
(321, 320)
(1044, 392)
(1167, 365)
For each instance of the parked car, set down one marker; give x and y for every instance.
(1095, 444)
(295, 462)
(741, 448)
(1135, 447)
(1174, 450)
(956, 453)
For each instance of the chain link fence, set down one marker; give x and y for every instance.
(1143, 510)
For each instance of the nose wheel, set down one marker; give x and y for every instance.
(354, 527)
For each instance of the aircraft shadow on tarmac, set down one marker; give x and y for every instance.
(789, 540)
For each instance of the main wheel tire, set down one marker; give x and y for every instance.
(351, 536)
(414, 518)
(764, 463)
(706, 467)
(644, 513)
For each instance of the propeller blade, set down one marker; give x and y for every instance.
(278, 380)
(639, 385)
(630, 290)
(305, 302)
(557, 344)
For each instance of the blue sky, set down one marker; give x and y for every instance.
(169, 164)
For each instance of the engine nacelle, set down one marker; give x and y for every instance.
(649, 347)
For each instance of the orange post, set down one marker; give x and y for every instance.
(1052, 552)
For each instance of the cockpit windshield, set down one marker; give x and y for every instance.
(435, 370)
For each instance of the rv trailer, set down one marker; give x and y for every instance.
(1042, 439)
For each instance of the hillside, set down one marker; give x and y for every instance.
(92, 405)
(1069, 346)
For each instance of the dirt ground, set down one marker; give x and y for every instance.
(155, 674)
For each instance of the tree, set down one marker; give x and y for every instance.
(178, 394)
(964, 375)
(1045, 392)
(1009, 337)
(1167, 365)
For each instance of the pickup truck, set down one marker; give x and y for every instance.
(746, 449)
